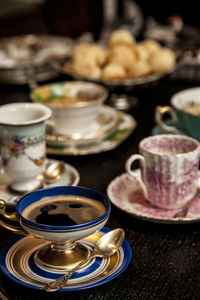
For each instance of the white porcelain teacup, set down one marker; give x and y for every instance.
(169, 169)
(23, 143)
(75, 105)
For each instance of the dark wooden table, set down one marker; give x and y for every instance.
(166, 258)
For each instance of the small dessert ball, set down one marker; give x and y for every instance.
(91, 53)
(121, 36)
(114, 71)
(139, 69)
(88, 70)
(141, 52)
(162, 60)
(122, 55)
(99, 54)
(151, 45)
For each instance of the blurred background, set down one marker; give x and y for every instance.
(73, 17)
(172, 24)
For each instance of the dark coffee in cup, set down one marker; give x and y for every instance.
(64, 210)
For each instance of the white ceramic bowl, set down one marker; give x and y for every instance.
(76, 117)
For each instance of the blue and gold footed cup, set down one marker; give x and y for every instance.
(61, 216)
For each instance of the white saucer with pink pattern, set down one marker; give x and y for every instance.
(126, 193)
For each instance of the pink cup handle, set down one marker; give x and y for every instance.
(134, 174)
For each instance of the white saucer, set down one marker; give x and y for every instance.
(125, 192)
(105, 124)
(125, 126)
(70, 176)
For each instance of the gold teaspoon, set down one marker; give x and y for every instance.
(106, 246)
(53, 171)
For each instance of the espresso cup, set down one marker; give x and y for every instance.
(169, 169)
(184, 111)
(89, 209)
(23, 143)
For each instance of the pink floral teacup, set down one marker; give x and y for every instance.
(22, 131)
(169, 169)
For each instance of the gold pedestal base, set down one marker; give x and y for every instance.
(54, 259)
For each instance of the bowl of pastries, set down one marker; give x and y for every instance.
(122, 61)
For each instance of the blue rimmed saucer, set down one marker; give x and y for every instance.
(17, 263)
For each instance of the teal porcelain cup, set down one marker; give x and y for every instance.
(184, 111)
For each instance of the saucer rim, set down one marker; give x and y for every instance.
(124, 264)
(177, 220)
(69, 169)
(70, 141)
(73, 170)
(74, 151)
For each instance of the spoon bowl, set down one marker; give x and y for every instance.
(106, 246)
(53, 171)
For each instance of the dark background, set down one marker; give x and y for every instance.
(74, 17)
(166, 258)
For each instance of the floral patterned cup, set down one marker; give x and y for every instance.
(169, 169)
(22, 131)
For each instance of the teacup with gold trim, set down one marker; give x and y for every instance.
(23, 143)
(38, 214)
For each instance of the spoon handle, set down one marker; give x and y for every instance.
(59, 283)
(183, 212)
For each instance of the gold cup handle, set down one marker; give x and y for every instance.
(10, 217)
(159, 113)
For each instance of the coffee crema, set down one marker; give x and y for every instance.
(64, 210)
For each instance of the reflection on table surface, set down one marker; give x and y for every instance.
(165, 263)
